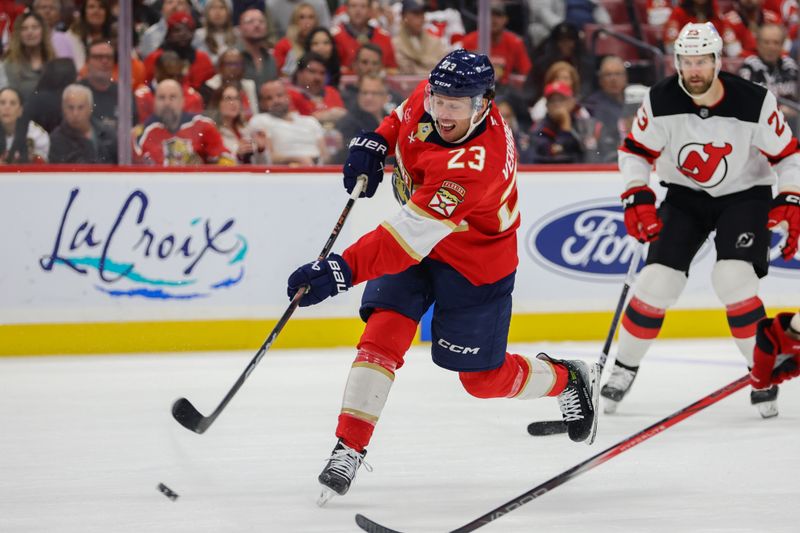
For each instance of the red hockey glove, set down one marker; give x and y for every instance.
(776, 357)
(641, 218)
(786, 208)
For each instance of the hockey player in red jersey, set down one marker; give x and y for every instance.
(452, 244)
(776, 358)
(717, 142)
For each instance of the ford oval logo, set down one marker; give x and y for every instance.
(587, 240)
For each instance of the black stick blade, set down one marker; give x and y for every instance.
(185, 413)
(372, 527)
(547, 427)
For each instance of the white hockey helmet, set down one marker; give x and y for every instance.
(698, 39)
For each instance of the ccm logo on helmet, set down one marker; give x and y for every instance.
(793, 199)
(368, 143)
(455, 348)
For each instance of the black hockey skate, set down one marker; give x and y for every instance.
(340, 471)
(618, 385)
(766, 401)
(578, 401)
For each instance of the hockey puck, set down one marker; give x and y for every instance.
(166, 491)
(547, 427)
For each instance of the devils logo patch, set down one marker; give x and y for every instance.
(705, 164)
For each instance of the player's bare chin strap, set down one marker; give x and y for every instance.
(736, 285)
(657, 289)
(385, 340)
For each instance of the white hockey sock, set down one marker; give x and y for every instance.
(368, 385)
(541, 379)
(631, 350)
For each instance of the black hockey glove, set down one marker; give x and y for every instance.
(367, 153)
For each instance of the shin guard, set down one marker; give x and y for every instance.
(518, 377)
(383, 345)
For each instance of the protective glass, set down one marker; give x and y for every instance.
(442, 107)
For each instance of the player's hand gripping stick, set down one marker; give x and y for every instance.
(641, 218)
(367, 154)
(786, 211)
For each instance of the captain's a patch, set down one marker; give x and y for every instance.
(447, 198)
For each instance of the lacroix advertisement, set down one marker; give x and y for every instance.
(183, 246)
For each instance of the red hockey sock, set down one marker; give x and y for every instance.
(501, 382)
(561, 380)
(744, 316)
(642, 320)
(383, 345)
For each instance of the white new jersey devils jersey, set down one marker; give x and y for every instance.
(740, 142)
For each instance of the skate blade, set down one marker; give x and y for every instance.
(610, 406)
(325, 496)
(768, 409)
(595, 374)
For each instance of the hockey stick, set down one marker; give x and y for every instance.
(596, 460)
(553, 427)
(184, 412)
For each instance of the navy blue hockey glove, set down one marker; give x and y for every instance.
(367, 153)
(325, 278)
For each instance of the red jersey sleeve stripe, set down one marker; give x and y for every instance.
(631, 146)
(791, 148)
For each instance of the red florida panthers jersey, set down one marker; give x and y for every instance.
(459, 200)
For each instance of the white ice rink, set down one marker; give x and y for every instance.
(84, 441)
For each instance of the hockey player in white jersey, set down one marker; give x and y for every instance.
(717, 142)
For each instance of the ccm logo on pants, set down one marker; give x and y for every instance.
(466, 350)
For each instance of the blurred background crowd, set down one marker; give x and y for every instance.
(289, 82)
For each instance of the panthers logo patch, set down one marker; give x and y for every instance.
(447, 198)
(402, 187)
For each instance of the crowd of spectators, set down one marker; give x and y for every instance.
(290, 82)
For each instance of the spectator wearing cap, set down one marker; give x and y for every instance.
(560, 137)
(154, 35)
(507, 51)
(259, 65)
(416, 50)
(350, 35)
(180, 32)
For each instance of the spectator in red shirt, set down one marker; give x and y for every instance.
(289, 49)
(180, 32)
(172, 137)
(168, 67)
(310, 95)
(745, 20)
(351, 35)
(700, 11)
(508, 53)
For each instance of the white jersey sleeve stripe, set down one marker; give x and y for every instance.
(416, 231)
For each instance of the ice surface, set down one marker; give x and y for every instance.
(85, 441)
